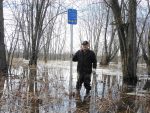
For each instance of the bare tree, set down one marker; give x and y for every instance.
(143, 33)
(55, 34)
(3, 63)
(13, 38)
(110, 46)
(37, 23)
(146, 51)
(17, 31)
(24, 24)
(93, 24)
(127, 39)
(97, 24)
(48, 36)
(38, 10)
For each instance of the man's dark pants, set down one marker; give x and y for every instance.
(83, 78)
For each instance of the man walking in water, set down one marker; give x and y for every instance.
(87, 64)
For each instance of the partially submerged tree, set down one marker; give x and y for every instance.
(145, 38)
(142, 26)
(110, 48)
(146, 52)
(38, 11)
(127, 39)
(3, 63)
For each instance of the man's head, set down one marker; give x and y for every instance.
(85, 45)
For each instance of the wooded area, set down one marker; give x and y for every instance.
(39, 27)
(37, 31)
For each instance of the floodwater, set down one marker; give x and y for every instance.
(46, 90)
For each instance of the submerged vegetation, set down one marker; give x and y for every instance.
(47, 91)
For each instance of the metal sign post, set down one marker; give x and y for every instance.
(72, 19)
(71, 51)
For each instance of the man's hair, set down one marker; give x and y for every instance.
(85, 43)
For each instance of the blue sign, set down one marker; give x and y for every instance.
(72, 16)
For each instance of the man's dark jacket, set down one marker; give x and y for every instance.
(85, 61)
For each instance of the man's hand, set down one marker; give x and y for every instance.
(94, 71)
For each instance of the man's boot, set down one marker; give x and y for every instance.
(87, 96)
(87, 93)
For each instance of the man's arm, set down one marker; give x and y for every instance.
(75, 57)
(94, 64)
(94, 61)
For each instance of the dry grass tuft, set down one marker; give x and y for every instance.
(19, 62)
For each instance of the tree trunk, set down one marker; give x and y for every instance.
(2, 82)
(148, 68)
(26, 50)
(146, 54)
(127, 40)
(3, 64)
(131, 77)
(33, 91)
(110, 51)
(104, 60)
(37, 27)
(148, 62)
(34, 54)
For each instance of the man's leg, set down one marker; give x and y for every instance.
(79, 82)
(87, 80)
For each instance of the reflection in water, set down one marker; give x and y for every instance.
(2, 81)
(34, 101)
(109, 94)
(45, 90)
(116, 101)
(94, 94)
